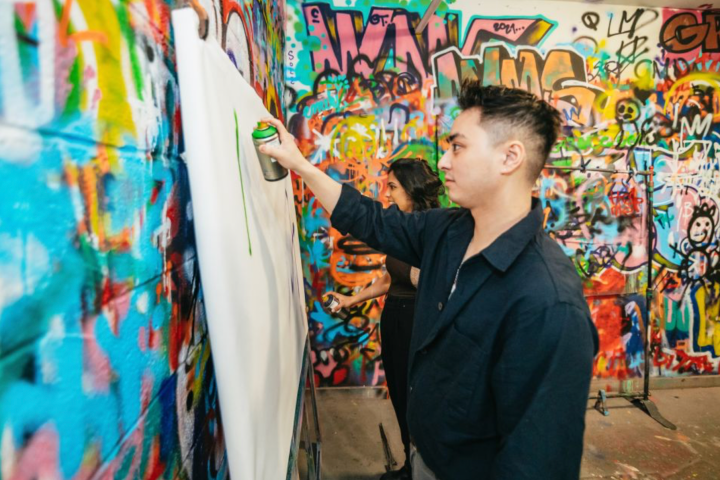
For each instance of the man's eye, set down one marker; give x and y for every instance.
(455, 147)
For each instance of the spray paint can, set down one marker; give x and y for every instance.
(266, 134)
(331, 303)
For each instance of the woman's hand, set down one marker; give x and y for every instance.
(287, 154)
(414, 276)
(344, 301)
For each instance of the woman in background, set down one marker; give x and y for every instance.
(412, 187)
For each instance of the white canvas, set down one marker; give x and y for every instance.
(249, 258)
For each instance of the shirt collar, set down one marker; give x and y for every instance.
(506, 248)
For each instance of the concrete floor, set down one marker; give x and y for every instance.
(627, 444)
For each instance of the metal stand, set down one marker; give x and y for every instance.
(390, 461)
(639, 399)
(312, 439)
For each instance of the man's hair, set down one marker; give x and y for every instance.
(514, 113)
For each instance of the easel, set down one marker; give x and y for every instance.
(639, 399)
(310, 437)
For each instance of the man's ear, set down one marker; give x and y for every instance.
(514, 157)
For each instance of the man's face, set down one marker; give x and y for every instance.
(472, 164)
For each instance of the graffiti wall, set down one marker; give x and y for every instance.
(105, 366)
(631, 191)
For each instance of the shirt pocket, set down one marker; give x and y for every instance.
(462, 362)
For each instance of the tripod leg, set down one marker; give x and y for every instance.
(649, 407)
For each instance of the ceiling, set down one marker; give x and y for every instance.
(644, 3)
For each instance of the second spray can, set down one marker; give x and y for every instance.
(332, 302)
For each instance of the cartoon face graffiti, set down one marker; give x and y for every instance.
(627, 110)
(702, 226)
(656, 128)
(700, 257)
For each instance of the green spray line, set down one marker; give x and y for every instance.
(242, 187)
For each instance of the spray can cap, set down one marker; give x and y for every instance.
(329, 301)
(263, 130)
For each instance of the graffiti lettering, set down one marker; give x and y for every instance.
(559, 77)
(507, 28)
(348, 46)
(591, 20)
(683, 32)
(629, 25)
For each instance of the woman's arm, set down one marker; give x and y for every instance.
(378, 288)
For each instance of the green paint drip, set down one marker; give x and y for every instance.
(242, 186)
(72, 104)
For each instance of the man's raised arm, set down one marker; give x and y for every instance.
(388, 230)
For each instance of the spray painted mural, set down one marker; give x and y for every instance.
(105, 366)
(638, 89)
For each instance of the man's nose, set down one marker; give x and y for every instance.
(444, 163)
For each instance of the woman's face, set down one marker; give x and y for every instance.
(397, 195)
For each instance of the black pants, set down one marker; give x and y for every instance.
(396, 325)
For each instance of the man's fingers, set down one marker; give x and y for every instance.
(276, 123)
(271, 150)
(273, 121)
(282, 131)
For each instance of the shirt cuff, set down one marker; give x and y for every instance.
(342, 217)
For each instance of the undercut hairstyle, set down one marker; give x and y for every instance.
(512, 113)
(419, 181)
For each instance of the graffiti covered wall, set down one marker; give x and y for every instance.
(638, 88)
(105, 366)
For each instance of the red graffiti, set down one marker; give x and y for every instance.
(625, 203)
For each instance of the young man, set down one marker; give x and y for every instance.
(503, 343)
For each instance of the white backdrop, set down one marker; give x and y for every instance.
(249, 258)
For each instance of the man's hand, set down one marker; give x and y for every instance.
(287, 154)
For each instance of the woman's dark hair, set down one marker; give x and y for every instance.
(422, 185)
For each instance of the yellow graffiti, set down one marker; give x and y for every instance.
(114, 112)
(709, 331)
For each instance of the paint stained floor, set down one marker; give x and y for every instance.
(627, 444)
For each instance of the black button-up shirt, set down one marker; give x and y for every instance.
(500, 369)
